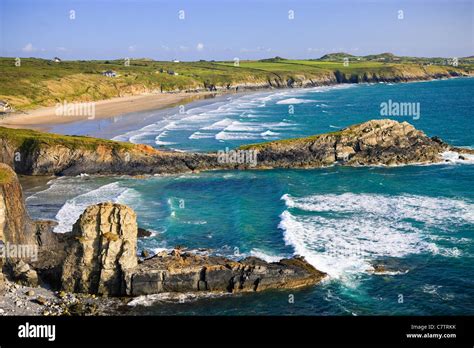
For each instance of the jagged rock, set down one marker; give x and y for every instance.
(2, 283)
(102, 251)
(41, 300)
(376, 142)
(178, 271)
(101, 259)
(143, 233)
(21, 272)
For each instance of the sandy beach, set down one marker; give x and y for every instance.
(46, 117)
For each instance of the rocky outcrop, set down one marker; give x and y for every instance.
(21, 272)
(29, 243)
(101, 259)
(376, 142)
(180, 271)
(102, 250)
(2, 283)
(15, 225)
(36, 153)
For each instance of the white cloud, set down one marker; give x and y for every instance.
(317, 50)
(257, 49)
(132, 48)
(200, 46)
(61, 49)
(28, 48)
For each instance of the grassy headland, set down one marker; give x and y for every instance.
(27, 140)
(40, 82)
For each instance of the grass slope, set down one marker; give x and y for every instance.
(40, 82)
(27, 140)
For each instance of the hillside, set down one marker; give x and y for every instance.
(40, 82)
(387, 57)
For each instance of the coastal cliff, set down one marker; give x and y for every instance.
(37, 153)
(376, 142)
(83, 81)
(15, 224)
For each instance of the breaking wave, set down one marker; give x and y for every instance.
(341, 234)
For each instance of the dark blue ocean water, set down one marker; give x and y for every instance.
(417, 219)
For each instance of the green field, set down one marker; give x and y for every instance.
(40, 82)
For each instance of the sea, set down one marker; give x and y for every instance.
(416, 220)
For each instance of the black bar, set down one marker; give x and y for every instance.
(222, 331)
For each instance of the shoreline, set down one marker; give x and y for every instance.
(45, 118)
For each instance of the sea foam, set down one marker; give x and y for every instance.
(341, 234)
(73, 208)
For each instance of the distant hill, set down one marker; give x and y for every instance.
(274, 59)
(382, 57)
(337, 56)
(387, 56)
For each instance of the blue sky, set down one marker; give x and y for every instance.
(222, 30)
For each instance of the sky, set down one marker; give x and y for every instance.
(224, 30)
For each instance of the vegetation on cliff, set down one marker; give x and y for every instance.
(28, 140)
(375, 142)
(6, 175)
(40, 82)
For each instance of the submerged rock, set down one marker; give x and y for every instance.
(102, 250)
(142, 233)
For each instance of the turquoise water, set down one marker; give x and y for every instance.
(419, 219)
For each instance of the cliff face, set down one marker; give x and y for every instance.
(37, 153)
(103, 249)
(398, 74)
(17, 230)
(376, 142)
(15, 225)
(61, 160)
